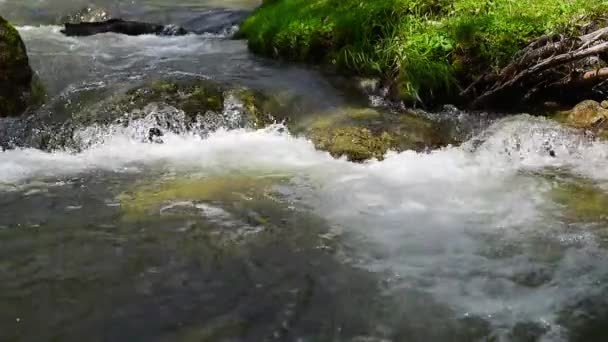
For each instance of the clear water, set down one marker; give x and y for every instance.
(284, 242)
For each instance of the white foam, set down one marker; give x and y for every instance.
(430, 221)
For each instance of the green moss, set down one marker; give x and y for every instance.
(9, 33)
(37, 93)
(164, 87)
(363, 114)
(258, 106)
(15, 72)
(13, 52)
(428, 47)
(196, 98)
(337, 117)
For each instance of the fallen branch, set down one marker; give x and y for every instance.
(548, 63)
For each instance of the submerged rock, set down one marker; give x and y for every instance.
(582, 201)
(16, 75)
(152, 197)
(232, 208)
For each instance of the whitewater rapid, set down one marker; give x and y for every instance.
(508, 147)
(462, 224)
(422, 220)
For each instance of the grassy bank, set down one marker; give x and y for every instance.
(430, 49)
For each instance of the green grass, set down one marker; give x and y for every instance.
(429, 48)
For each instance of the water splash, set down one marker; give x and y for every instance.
(465, 224)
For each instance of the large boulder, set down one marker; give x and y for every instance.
(15, 73)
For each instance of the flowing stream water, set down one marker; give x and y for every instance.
(254, 235)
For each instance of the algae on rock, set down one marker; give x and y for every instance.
(356, 143)
(362, 134)
(17, 89)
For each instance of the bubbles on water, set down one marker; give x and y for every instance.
(465, 225)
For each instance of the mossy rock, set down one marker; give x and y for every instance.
(360, 134)
(38, 94)
(264, 110)
(15, 72)
(196, 98)
(356, 143)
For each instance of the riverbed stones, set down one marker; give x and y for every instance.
(15, 72)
